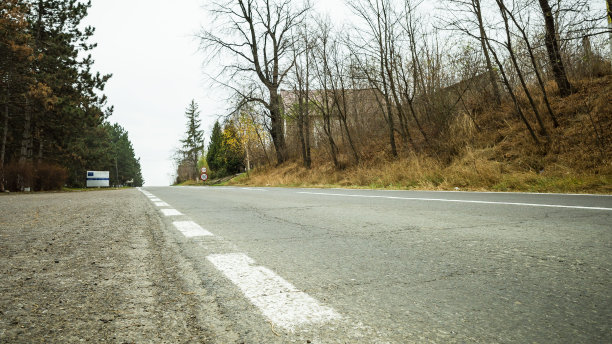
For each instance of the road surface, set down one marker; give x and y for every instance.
(275, 265)
(333, 265)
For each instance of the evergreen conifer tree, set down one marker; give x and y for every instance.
(233, 151)
(125, 166)
(214, 155)
(51, 102)
(193, 143)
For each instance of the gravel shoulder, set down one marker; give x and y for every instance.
(98, 267)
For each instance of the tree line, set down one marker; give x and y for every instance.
(53, 112)
(397, 74)
(224, 155)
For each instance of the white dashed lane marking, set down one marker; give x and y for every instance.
(171, 212)
(190, 229)
(278, 300)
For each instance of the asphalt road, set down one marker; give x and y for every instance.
(332, 265)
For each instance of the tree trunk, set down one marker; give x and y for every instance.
(195, 168)
(390, 122)
(391, 127)
(343, 113)
(117, 173)
(536, 70)
(511, 92)
(398, 105)
(409, 100)
(388, 61)
(300, 123)
(382, 52)
(468, 112)
(302, 91)
(277, 132)
(261, 142)
(332, 144)
(41, 145)
(416, 119)
(4, 136)
(554, 54)
(491, 72)
(609, 7)
(26, 138)
(519, 73)
(248, 157)
(308, 160)
(350, 140)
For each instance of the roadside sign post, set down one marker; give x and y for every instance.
(204, 176)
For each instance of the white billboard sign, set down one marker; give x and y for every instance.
(97, 179)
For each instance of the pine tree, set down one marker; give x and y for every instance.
(214, 155)
(233, 151)
(225, 151)
(15, 74)
(124, 164)
(52, 108)
(193, 143)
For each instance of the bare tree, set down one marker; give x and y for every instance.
(258, 34)
(535, 65)
(301, 90)
(468, 18)
(409, 74)
(554, 54)
(338, 76)
(517, 68)
(391, 60)
(492, 75)
(517, 106)
(376, 14)
(609, 18)
(252, 115)
(324, 99)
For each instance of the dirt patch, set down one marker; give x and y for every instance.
(97, 267)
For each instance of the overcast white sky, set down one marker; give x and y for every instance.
(149, 47)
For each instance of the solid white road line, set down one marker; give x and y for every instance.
(190, 229)
(464, 192)
(171, 212)
(458, 201)
(161, 204)
(277, 299)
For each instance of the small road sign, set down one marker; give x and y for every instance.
(203, 169)
(204, 176)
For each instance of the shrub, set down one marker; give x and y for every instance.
(18, 175)
(51, 176)
(46, 176)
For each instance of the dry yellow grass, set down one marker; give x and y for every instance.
(472, 172)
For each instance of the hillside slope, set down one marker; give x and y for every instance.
(496, 154)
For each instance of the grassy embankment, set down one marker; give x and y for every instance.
(575, 157)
